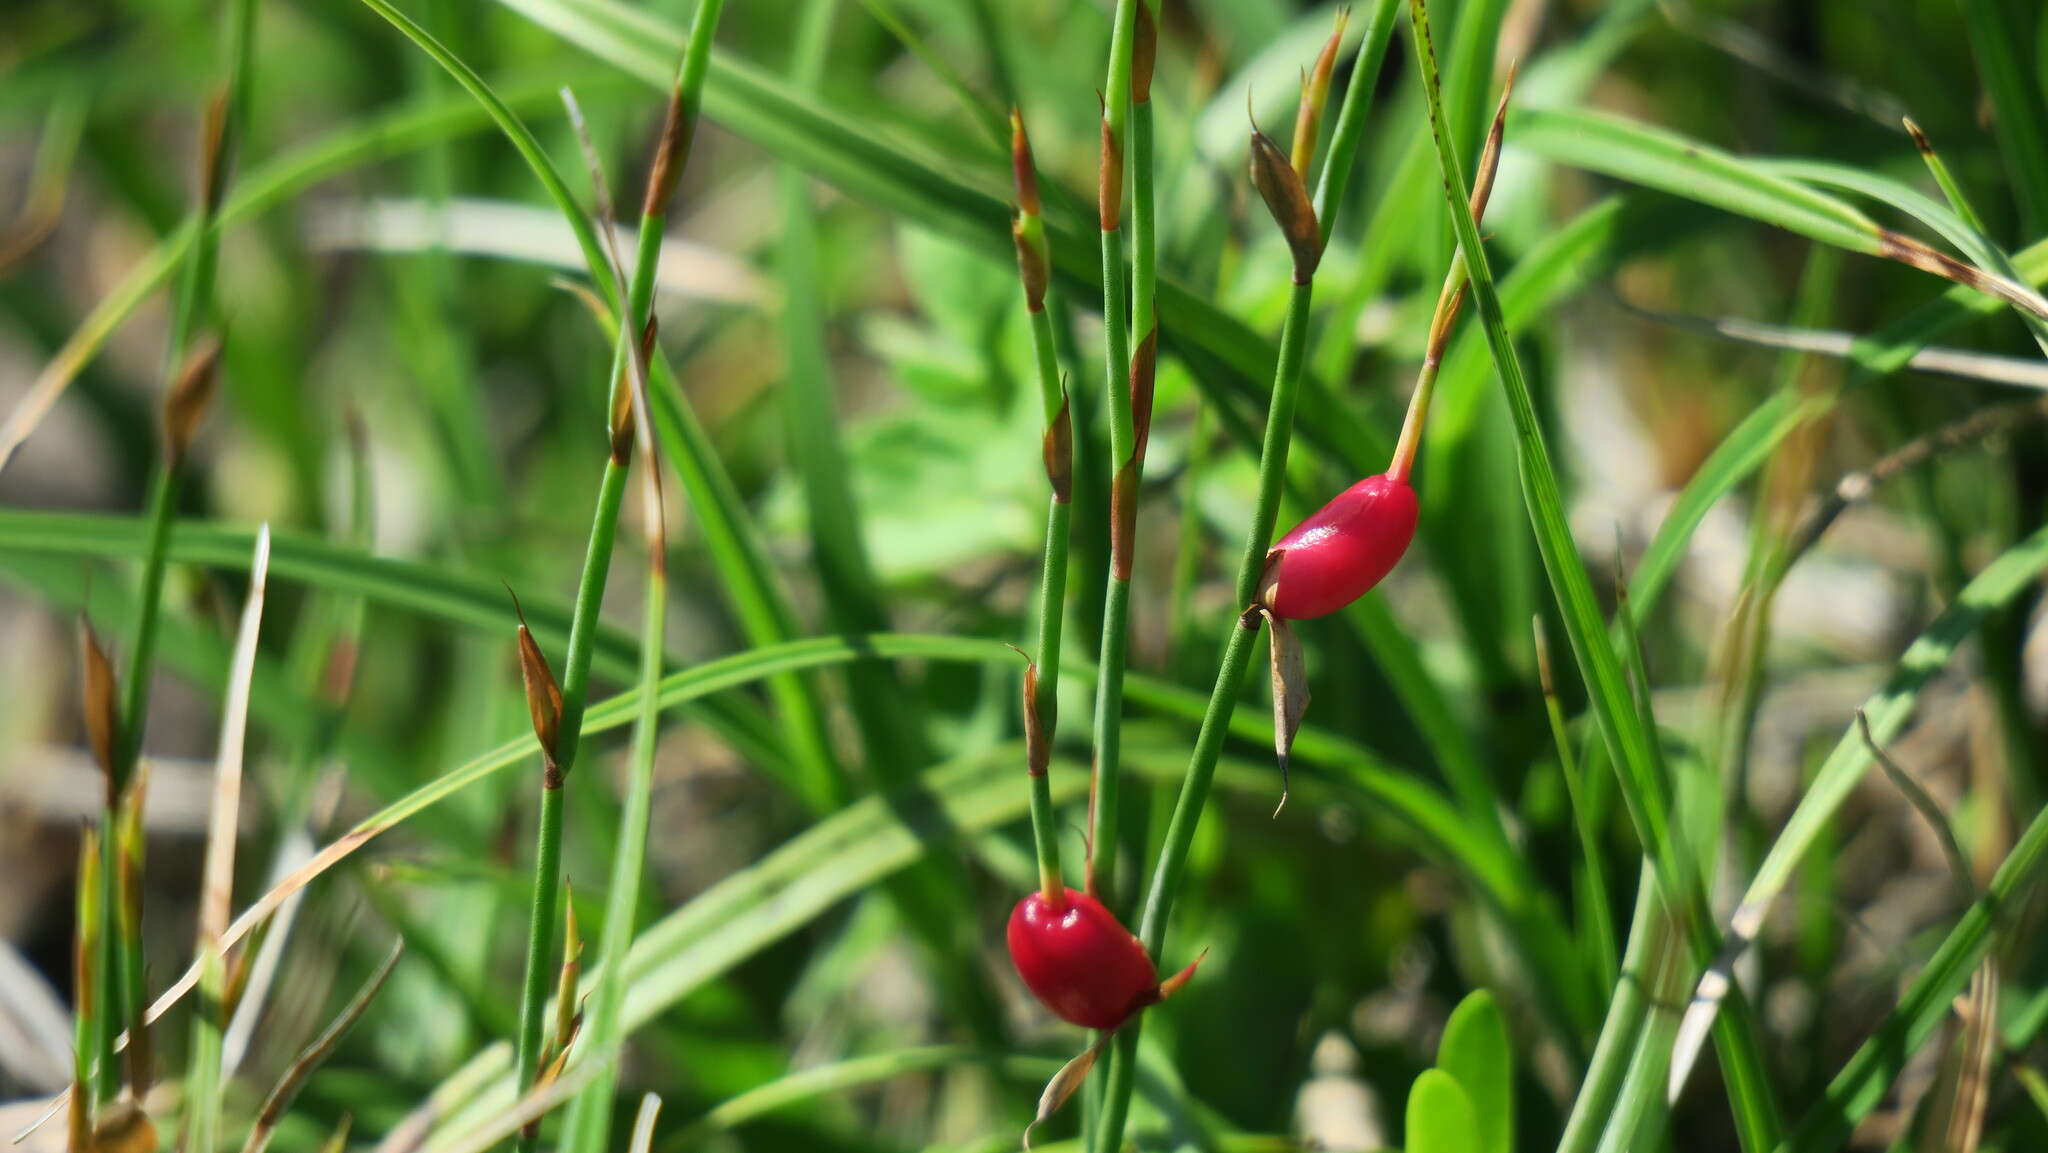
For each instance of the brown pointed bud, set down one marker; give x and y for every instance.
(1144, 52)
(1286, 197)
(1033, 263)
(1037, 742)
(1059, 453)
(1022, 169)
(1109, 193)
(1315, 96)
(1144, 365)
(97, 701)
(1290, 696)
(622, 420)
(1123, 520)
(188, 398)
(677, 126)
(543, 695)
(213, 154)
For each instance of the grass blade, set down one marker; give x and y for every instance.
(1628, 744)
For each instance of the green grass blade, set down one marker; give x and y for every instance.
(1628, 744)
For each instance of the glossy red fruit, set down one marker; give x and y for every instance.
(1080, 961)
(1342, 551)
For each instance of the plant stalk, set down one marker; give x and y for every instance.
(1237, 655)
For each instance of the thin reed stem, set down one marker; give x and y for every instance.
(673, 154)
(1116, 342)
(1237, 655)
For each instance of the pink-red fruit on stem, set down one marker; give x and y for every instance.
(1080, 961)
(1338, 554)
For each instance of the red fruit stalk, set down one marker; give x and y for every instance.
(1350, 544)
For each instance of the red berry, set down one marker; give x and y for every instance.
(1080, 961)
(1342, 551)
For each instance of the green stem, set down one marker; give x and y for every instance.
(1124, 465)
(1614, 1052)
(590, 1120)
(1237, 656)
(583, 627)
(1052, 600)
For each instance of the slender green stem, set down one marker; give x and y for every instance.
(1237, 655)
(590, 1121)
(123, 975)
(1614, 1052)
(584, 621)
(1052, 599)
(1116, 342)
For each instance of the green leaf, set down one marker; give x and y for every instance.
(1476, 1051)
(1441, 1118)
